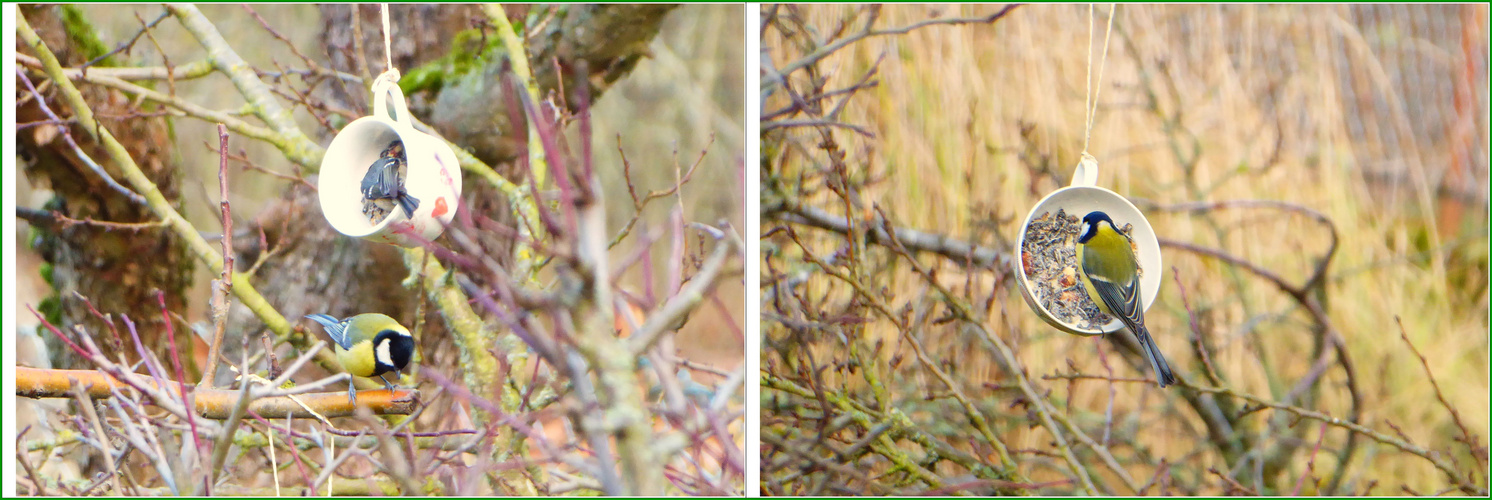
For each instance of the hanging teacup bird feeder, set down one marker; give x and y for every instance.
(382, 180)
(1047, 267)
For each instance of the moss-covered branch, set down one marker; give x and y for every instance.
(158, 203)
(284, 136)
(519, 58)
(469, 332)
(260, 99)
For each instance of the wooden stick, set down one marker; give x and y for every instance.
(218, 404)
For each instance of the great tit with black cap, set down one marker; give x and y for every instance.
(368, 345)
(1111, 276)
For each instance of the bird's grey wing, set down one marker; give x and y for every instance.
(1123, 300)
(371, 179)
(1127, 298)
(382, 179)
(335, 328)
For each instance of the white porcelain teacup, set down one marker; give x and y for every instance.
(433, 175)
(1078, 199)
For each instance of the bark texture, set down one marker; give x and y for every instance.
(118, 270)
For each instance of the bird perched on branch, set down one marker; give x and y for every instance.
(383, 184)
(368, 345)
(1111, 276)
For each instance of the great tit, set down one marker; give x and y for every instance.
(1110, 275)
(368, 345)
(382, 181)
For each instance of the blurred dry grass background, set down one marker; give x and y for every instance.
(689, 91)
(1374, 115)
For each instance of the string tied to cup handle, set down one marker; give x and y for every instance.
(389, 79)
(1090, 103)
(391, 74)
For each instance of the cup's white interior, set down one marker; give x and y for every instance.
(1078, 201)
(347, 160)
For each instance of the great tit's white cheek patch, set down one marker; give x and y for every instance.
(1083, 230)
(382, 354)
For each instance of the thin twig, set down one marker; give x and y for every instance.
(1310, 464)
(1399, 443)
(1471, 440)
(869, 32)
(67, 135)
(689, 297)
(129, 45)
(100, 440)
(224, 284)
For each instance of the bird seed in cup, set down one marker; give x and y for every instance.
(1049, 258)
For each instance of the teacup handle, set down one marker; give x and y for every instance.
(382, 90)
(1086, 174)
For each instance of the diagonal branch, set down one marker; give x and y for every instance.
(913, 240)
(690, 296)
(158, 203)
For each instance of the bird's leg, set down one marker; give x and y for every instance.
(386, 383)
(351, 392)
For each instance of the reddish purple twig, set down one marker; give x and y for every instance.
(1311, 464)
(191, 409)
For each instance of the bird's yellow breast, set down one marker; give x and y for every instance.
(1088, 284)
(359, 360)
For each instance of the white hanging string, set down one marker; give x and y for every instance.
(391, 72)
(1088, 81)
(1090, 104)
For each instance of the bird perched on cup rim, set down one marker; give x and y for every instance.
(368, 345)
(1111, 277)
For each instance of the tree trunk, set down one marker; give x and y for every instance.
(120, 271)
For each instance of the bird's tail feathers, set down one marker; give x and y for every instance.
(1163, 374)
(409, 203)
(333, 327)
(325, 320)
